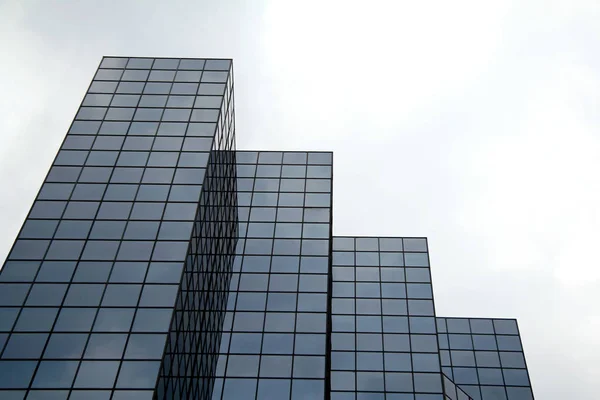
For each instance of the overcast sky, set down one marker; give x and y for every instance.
(474, 123)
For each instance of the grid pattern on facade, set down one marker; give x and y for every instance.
(189, 364)
(158, 262)
(383, 340)
(484, 357)
(274, 336)
(88, 290)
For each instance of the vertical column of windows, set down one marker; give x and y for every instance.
(383, 332)
(275, 331)
(189, 364)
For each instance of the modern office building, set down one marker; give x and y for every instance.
(160, 262)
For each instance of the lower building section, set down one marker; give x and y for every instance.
(484, 357)
(384, 339)
(247, 296)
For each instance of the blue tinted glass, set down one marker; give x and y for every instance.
(307, 389)
(152, 320)
(56, 271)
(25, 345)
(55, 374)
(16, 374)
(35, 319)
(19, 271)
(97, 374)
(92, 271)
(105, 346)
(66, 345)
(75, 319)
(114, 320)
(145, 346)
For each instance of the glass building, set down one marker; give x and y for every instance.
(160, 262)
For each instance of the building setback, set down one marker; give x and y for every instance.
(160, 262)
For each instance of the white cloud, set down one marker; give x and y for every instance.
(536, 192)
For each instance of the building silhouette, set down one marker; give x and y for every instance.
(160, 262)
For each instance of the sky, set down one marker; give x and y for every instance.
(473, 123)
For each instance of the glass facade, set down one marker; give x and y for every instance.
(160, 262)
(275, 331)
(115, 275)
(384, 337)
(484, 357)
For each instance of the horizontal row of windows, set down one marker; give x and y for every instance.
(158, 75)
(275, 282)
(498, 392)
(389, 382)
(386, 290)
(91, 295)
(345, 360)
(201, 114)
(364, 265)
(348, 270)
(379, 324)
(272, 366)
(239, 388)
(277, 321)
(366, 306)
(130, 174)
(273, 343)
(477, 325)
(488, 341)
(491, 392)
(266, 190)
(461, 358)
(269, 321)
(96, 103)
(109, 158)
(284, 247)
(359, 244)
(284, 214)
(315, 194)
(108, 346)
(163, 175)
(113, 220)
(377, 361)
(91, 272)
(157, 180)
(108, 128)
(281, 264)
(87, 374)
(140, 210)
(284, 230)
(278, 301)
(345, 287)
(287, 157)
(85, 319)
(126, 160)
(490, 376)
(277, 171)
(166, 63)
(85, 204)
(98, 250)
(347, 343)
(214, 88)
